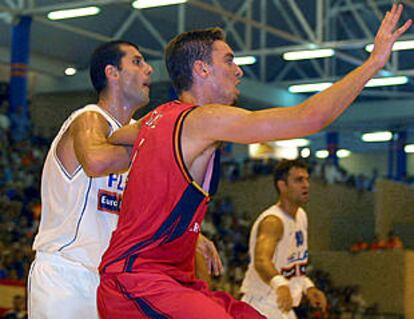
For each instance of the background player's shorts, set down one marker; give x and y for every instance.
(154, 295)
(268, 306)
(58, 288)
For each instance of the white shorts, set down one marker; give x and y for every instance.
(61, 289)
(267, 306)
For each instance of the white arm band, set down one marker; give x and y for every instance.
(278, 281)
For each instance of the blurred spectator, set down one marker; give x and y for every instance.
(393, 242)
(19, 309)
(359, 246)
(372, 181)
(378, 244)
(331, 172)
(4, 122)
(358, 303)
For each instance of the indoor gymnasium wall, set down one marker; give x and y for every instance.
(409, 285)
(384, 277)
(395, 210)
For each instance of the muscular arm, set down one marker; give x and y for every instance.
(212, 123)
(93, 151)
(269, 233)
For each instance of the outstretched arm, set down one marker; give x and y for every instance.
(222, 123)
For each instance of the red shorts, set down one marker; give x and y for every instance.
(143, 295)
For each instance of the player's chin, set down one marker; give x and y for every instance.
(235, 98)
(144, 100)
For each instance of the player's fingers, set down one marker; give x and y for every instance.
(403, 28)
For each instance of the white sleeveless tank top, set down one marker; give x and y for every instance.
(79, 212)
(290, 257)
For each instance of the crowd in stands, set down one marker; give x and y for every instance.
(343, 301)
(18, 310)
(20, 166)
(326, 171)
(229, 229)
(392, 242)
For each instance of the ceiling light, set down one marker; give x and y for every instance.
(308, 54)
(305, 153)
(286, 152)
(377, 136)
(73, 13)
(142, 4)
(316, 87)
(342, 153)
(70, 71)
(409, 148)
(322, 154)
(298, 142)
(311, 87)
(244, 60)
(398, 46)
(392, 80)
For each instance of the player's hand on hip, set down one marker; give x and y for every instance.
(207, 248)
(316, 298)
(284, 298)
(387, 34)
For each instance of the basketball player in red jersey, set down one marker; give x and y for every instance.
(147, 271)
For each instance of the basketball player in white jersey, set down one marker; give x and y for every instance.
(82, 183)
(276, 278)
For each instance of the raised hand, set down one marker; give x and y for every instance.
(387, 34)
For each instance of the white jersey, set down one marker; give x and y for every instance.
(290, 257)
(79, 212)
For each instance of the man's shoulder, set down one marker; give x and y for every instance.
(271, 213)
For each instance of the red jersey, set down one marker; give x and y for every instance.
(163, 207)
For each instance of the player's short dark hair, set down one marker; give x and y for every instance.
(281, 170)
(186, 48)
(109, 53)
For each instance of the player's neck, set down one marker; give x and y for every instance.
(288, 207)
(122, 113)
(196, 97)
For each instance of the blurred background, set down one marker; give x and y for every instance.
(361, 211)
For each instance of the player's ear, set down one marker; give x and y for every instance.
(111, 72)
(200, 69)
(281, 185)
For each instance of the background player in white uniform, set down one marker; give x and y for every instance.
(82, 183)
(276, 278)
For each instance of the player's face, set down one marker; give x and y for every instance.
(225, 74)
(135, 76)
(297, 186)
